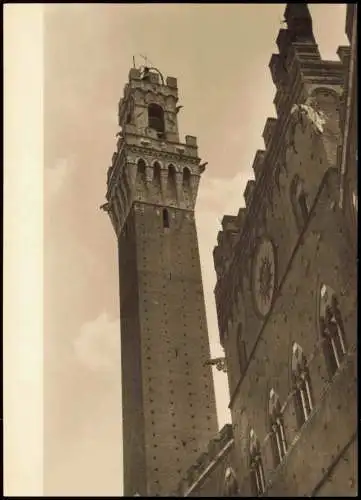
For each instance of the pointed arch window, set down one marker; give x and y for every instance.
(299, 201)
(230, 488)
(156, 174)
(256, 465)
(186, 177)
(278, 439)
(141, 168)
(302, 385)
(332, 330)
(172, 184)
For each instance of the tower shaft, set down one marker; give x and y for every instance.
(169, 412)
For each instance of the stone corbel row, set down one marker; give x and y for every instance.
(120, 202)
(149, 176)
(125, 188)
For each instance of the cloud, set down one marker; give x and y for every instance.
(222, 195)
(98, 344)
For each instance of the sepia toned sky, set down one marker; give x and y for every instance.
(220, 55)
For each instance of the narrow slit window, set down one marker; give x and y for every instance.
(165, 219)
(302, 200)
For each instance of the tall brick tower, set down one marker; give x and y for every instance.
(169, 411)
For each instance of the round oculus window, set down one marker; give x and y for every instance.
(264, 276)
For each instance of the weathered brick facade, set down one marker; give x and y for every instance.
(279, 345)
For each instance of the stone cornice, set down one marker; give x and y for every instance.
(163, 154)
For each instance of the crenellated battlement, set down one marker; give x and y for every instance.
(301, 78)
(151, 165)
(226, 239)
(259, 156)
(248, 192)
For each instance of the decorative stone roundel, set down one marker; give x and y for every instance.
(264, 276)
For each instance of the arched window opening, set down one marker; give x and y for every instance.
(302, 385)
(241, 347)
(156, 174)
(141, 167)
(172, 190)
(299, 202)
(230, 488)
(278, 439)
(186, 177)
(171, 172)
(156, 119)
(256, 465)
(332, 329)
(165, 218)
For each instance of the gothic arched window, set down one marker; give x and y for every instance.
(156, 119)
(141, 168)
(332, 330)
(278, 439)
(230, 488)
(302, 385)
(156, 174)
(299, 202)
(256, 466)
(186, 177)
(172, 182)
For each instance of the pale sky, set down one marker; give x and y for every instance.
(220, 55)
